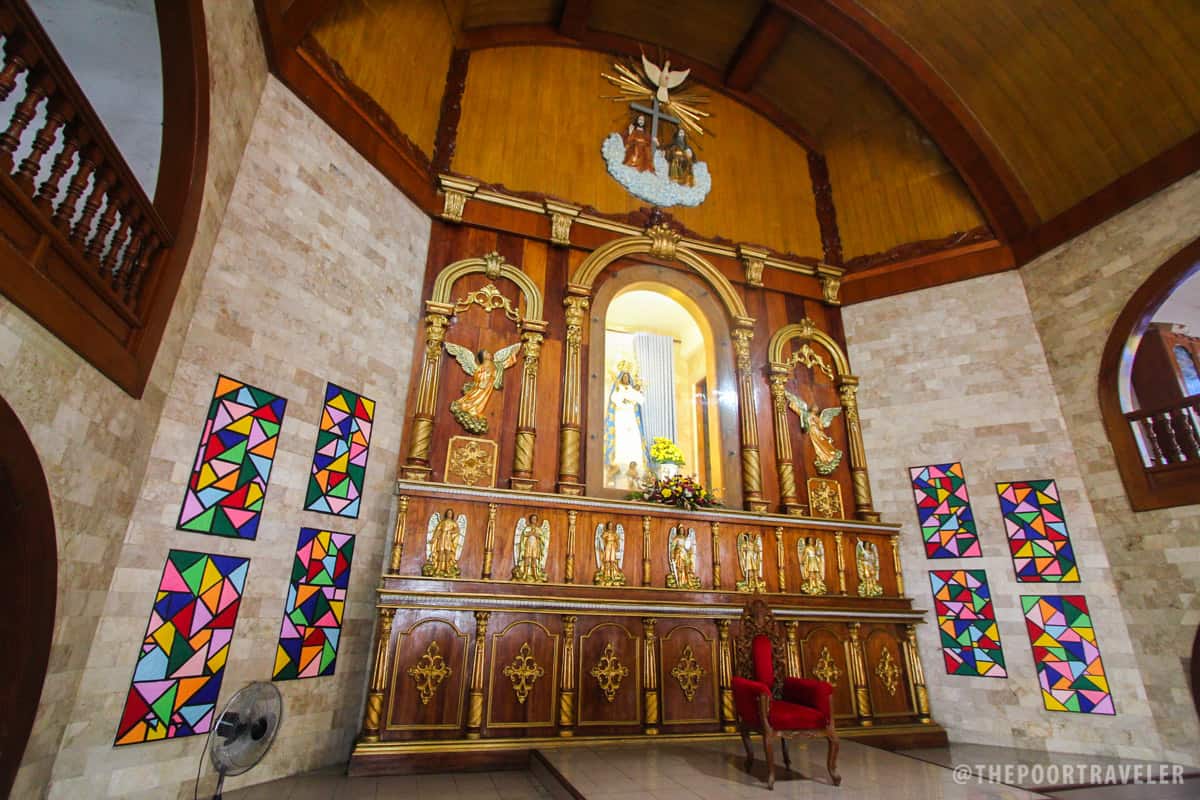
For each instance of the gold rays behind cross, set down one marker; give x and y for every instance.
(634, 85)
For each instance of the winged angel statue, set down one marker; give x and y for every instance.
(488, 374)
(530, 545)
(610, 554)
(444, 544)
(814, 422)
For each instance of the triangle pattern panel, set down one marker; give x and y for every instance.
(944, 511)
(182, 660)
(315, 605)
(233, 462)
(1037, 532)
(1066, 654)
(970, 637)
(339, 464)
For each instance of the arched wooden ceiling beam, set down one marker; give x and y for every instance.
(588, 39)
(1000, 195)
(286, 21)
(765, 36)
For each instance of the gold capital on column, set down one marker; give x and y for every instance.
(373, 713)
(398, 534)
(566, 689)
(475, 709)
(572, 402)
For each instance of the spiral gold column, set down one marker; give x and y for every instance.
(475, 709)
(863, 508)
(566, 684)
(783, 443)
(531, 340)
(373, 713)
(916, 675)
(570, 432)
(420, 437)
(398, 534)
(857, 660)
(751, 469)
(728, 713)
(650, 676)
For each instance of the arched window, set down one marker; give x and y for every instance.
(1150, 386)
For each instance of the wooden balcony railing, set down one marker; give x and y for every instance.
(82, 247)
(1170, 435)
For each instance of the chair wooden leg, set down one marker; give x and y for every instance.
(767, 737)
(831, 759)
(787, 761)
(746, 743)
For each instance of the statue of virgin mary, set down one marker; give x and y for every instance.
(626, 453)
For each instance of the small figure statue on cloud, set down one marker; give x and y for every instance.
(664, 175)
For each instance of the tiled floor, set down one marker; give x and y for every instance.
(713, 770)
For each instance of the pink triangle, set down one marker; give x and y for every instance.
(172, 581)
(191, 506)
(220, 639)
(201, 617)
(257, 435)
(326, 621)
(289, 630)
(194, 666)
(239, 516)
(336, 504)
(228, 595)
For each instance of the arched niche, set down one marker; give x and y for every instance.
(693, 295)
(781, 366)
(659, 242)
(441, 308)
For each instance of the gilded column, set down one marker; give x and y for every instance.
(650, 676)
(716, 555)
(751, 471)
(793, 648)
(857, 660)
(848, 390)
(896, 564)
(841, 562)
(475, 709)
(489, 542)
(916, 675)
(570, 432)
(416, 465)
(783, 443)
(398, 534)
(780, 560)
(566, 683)
(531, 340)
(373, 714)
(645, 551)
(572, 517)
(728, 714)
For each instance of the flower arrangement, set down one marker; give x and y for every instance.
(664, 451)
(681, 491)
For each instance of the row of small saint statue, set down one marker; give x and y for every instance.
(446, 534)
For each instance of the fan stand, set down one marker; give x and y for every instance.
(220, 783)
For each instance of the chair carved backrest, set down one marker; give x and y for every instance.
(750, 649)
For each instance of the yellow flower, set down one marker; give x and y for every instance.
(666, 492)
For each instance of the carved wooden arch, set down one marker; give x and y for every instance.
(439, 308)
(659, 241)
(847, 386)
(1145, 489)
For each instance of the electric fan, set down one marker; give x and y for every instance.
(243, 733)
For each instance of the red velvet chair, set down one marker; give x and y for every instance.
(769, 703)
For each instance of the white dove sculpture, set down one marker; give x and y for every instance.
(664, 78)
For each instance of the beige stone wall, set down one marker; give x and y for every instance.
(315, 276)
(957, 373)
(92, 438)
(1076, 293)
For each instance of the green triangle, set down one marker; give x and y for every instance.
(202, 523)
(235, 454)
(328, 654)
(164, 706)
(181, 651)
(194, 574)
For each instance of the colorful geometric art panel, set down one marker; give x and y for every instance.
(944, 511)
(340, 462)
(316, 601)
(967, 621)
(1037, 533)
(233, 462)
(179, 669)
(1066, 654)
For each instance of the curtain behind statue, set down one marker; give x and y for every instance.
(656, 362)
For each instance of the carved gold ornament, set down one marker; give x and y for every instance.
(490, 299)
(827, 669)
(812, 564)
(523, 672)
(830, 286)
(609, 672)
(454, 204)
(429, 672)
(866, 556)
(825, 498)
(807, 357)
(471, 462)
(688, 672)
(888, 672)
(663, 241)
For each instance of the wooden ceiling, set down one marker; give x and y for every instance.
(1038, 117)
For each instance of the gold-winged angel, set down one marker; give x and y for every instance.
(487, 375)
(814, 422)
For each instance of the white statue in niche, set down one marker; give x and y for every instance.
(625, 449)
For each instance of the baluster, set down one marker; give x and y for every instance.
(87, 165)
(43, 140)
(16, 61)
(137, 271)
(10, 140)
(95, 248)
(1156, 456)
(1166, 435)
(112, 262)
(83, 228)
(137, 240)
(1182, 423)
(49, 189)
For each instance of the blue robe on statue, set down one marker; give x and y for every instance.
(624, 432)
